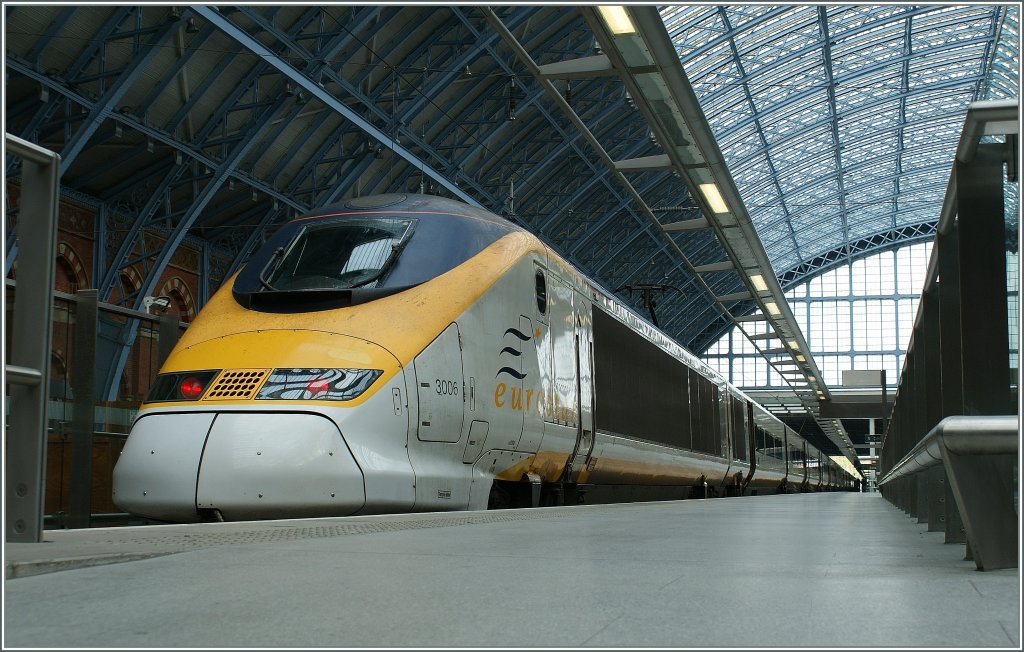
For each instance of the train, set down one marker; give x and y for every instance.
(407, 353)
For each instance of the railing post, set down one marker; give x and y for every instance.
(983, 488)
(25, 455)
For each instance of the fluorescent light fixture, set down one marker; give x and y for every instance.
(758, 282)
(617, 20)
(811, 379)
(714, 198)
(772, 308)
(793, 345)
(801, 358)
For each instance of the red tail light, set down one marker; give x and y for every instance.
(191, 388)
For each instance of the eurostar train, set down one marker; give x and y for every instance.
(401, 353)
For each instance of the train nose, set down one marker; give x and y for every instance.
(245, 465)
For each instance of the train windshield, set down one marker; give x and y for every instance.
(363, 250)
(339, 255)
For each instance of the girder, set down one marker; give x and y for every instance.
(107, 102)
(387, 140)
(121, 258)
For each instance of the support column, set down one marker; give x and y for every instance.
(983, 313)
(950, 352)
(955, 532)
(83, 379)
(921, 508)
(167, 337)
(936, 478)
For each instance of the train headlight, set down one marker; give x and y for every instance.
(180, 386)
(317, 384)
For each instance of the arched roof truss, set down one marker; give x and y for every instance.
(212, 125)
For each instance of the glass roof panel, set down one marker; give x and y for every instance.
(881, 88)
(903, 77)
(715, 59)
(754, 169)
(848, 20)
(1004, 73)
(772, 219)
(692, 27)
(868, 49)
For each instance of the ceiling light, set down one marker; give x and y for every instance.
(617, 20)
(714, 198)
(772, 308)
(793, 345)
(801, 358)
(758, 282)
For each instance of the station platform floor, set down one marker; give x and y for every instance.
(806, 570)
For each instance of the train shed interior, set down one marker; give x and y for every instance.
(820, 203)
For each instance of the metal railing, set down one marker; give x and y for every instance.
(977, 455)
(957, 387)
(959, 436)
(29, 363)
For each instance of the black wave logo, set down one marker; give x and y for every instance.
(522, 337)
(511, 372)
(518, 333)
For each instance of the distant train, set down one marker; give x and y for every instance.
(402, 353)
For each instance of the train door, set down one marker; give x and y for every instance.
(583, 336)
(807, 470)
(439, 388)
(442, 480)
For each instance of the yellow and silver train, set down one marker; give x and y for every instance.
(402, 353)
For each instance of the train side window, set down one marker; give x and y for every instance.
(542, 292)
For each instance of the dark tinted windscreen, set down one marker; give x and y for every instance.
(337, 260)
(339, 255)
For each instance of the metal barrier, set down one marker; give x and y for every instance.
(959, 375)
(84, 431)
(974, 452)
(29, 368)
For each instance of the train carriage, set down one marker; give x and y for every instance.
(411, 353)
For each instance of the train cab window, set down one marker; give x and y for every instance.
(542, 292)
(338, 255)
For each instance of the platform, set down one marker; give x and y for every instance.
(816, 570)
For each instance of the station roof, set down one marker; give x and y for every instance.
(212, 125)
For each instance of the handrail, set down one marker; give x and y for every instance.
(22, 375)
(962, 435)
(28, 151)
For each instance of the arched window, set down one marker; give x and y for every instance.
(70, 274)
(130, 283)
(857, 316)
(60, 385)
(181, 298)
